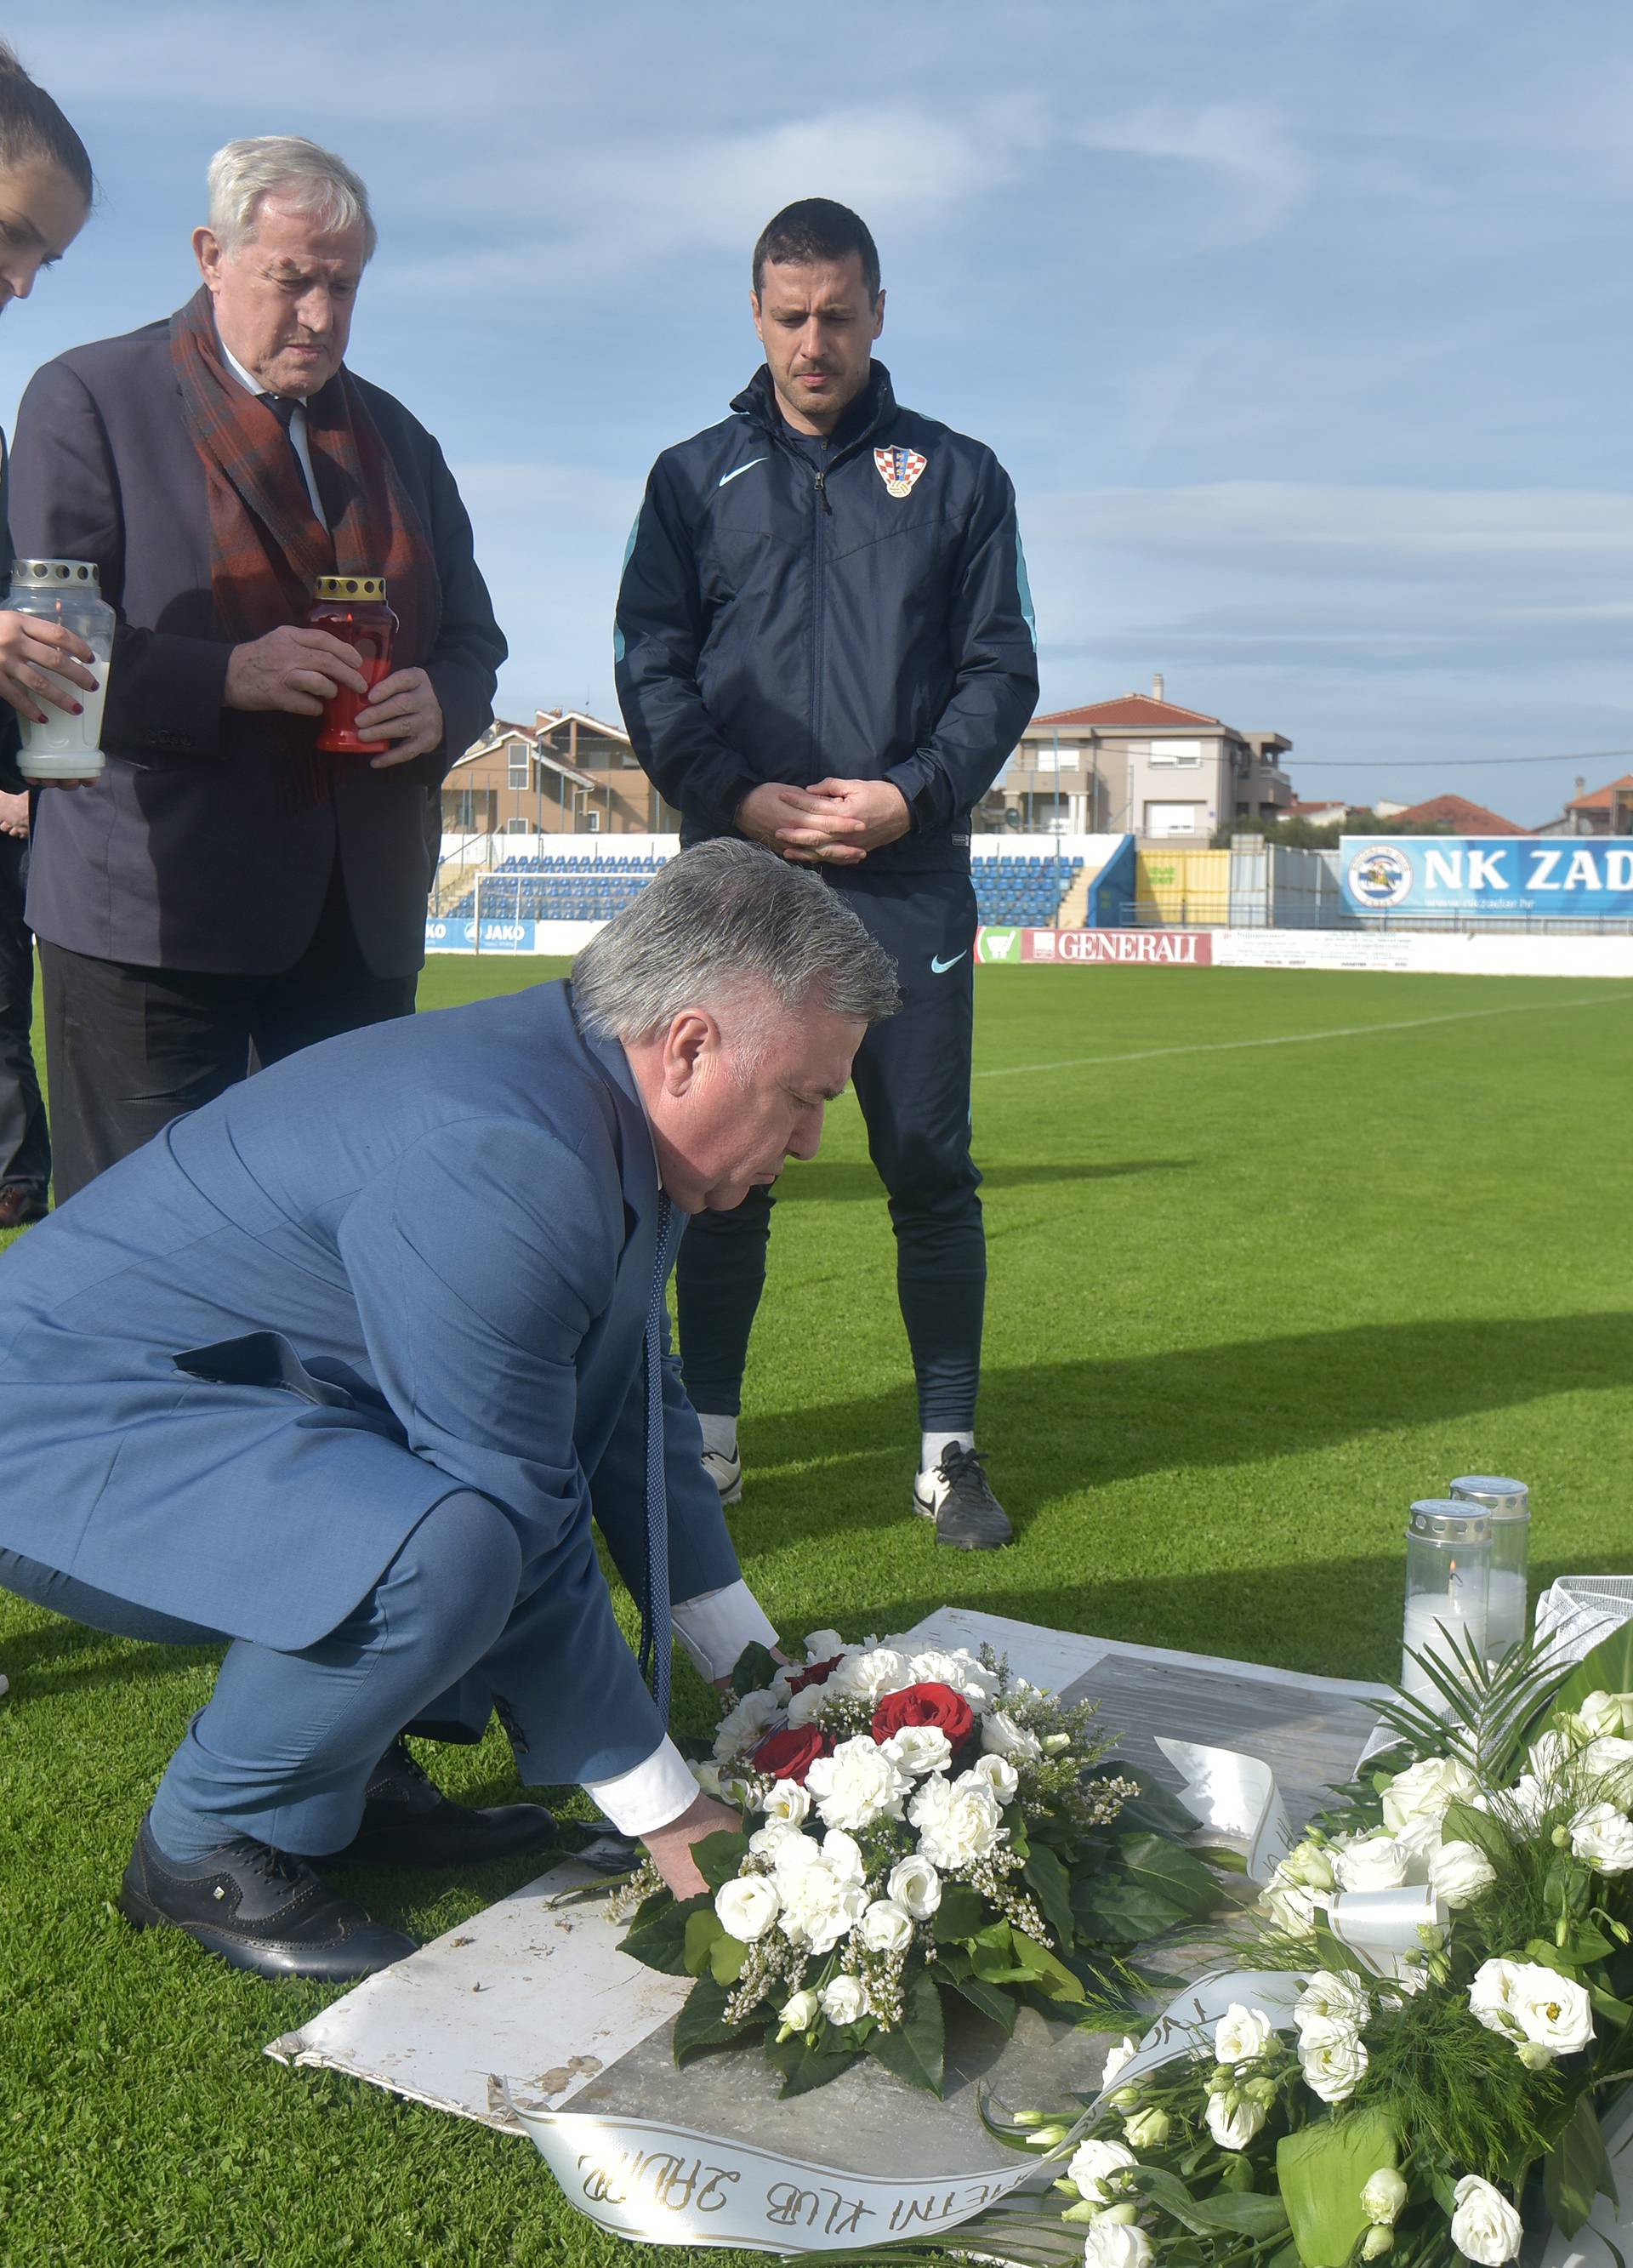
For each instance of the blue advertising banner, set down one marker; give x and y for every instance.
(448, 935)
(1564, 877)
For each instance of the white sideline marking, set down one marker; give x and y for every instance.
(1300, 1039)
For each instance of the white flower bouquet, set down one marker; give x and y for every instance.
(1438, 2100)
(915, 1825)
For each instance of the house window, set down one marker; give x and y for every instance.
(1164, 819)
(593, 822)
(518, 827)
(1185, 755)
(518, 767)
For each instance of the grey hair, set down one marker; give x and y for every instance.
(313, 179)
(721, 927)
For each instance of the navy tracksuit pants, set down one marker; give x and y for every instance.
(912, 1079)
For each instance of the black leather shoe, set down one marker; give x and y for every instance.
(409, 1822)
(20, 1202)
(959, 1498)
(257, 1908)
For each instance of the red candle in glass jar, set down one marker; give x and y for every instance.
(353, 608)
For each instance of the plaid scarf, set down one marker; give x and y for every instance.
(266, 544)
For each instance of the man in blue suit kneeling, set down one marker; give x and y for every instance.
(343, 1367)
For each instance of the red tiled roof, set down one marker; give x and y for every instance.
(1298, 810)
(1603, 797)
(1129, 708)
(1454, 813)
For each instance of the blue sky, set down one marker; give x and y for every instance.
(1303, 326)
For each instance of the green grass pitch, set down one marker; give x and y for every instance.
(1271, 1255)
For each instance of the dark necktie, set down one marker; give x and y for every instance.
(283, 407)
(657, 1634)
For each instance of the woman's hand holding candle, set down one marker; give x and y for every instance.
(39, 662)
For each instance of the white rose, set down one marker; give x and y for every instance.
(1368, 1862)
(823, 1646)
(1000, 1776)
(844, 2001)
(919, 1749)
(1428, 1790)
(1116, 2244)
(1485, 2226)
(747, 1906)
(800, 2011)
(1095, 2168)
(1607, 1765)
(818, 1909)
(1334, 2062)
(1234, 2129)
(744, 1727)
(864, 1677)
(794, 1853)
(787, 1801)
(886, 1927)
(766, 1841)
(1607, 1712)
(1383, 2197)
(958, 1670)
(1490, 1996)
(1550, 1756)
(1458, 1872)
(1420, 1839)
(858, 1783)
(842, 1855)
(1553, 2012)
(1309, 1864)
(805, 1706)
(1147, 2130)
(1001, 1736)
(1602, 1839)
(1525, 1804)
(1289, 1905)
(1332, 1998)
(707, 1778)
(957, 1824)
(1240, 2035)
(915, 1883)
(1127, 2047)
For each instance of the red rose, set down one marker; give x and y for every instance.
(818, 1674)
(924, 1704)
(790, 1754)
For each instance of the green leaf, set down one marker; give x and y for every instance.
(1321, 2171)
(1051, 1976)
(914, 2049)
(719, 1856)
(1118, 1910)
(701, 1930)
(962, 1913)
(1464, 1824)
(1175, 1873)
(1607, 1669)
(1051, 1883)
(1153, 1810)
(756, 1665)
(657, 1936)
(989, 1999)
(1576, 2167)
(804, 2066)
(726, 1956)
(1247, 2214)
(701, 2022)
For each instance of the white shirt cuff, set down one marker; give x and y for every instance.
(715, 1626)
(651, 1795)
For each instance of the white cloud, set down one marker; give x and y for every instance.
(1244, 146)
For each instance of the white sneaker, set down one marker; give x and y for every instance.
(725, 1472)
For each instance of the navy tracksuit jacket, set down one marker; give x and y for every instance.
(795, 609)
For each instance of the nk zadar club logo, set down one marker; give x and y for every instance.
(1381, 876)
(899, 468)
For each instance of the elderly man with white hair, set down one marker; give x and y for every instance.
(223, 893)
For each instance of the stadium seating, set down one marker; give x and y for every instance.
(579, 887)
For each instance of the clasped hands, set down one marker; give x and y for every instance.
(295, 670)
(835, 823)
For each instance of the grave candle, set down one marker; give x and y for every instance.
(1508, 1504)
(1448, 1559)
(353, 608)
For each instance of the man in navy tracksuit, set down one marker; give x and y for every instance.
(825, 644)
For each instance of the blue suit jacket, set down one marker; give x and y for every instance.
(238, 1368)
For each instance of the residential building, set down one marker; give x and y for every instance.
(1139, 765)
(1607, 811)
(567, 773)
(1450, 814)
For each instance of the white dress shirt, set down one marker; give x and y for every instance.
(297, 427)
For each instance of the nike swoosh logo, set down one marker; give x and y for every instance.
(939, 967)
(748, 467)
